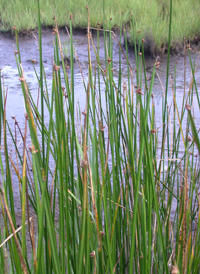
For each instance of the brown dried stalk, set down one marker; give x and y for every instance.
(23, 264)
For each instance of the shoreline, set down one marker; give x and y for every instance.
(142, 19)
(150, 50)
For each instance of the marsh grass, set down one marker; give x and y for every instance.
(93, 179)
(150, 17)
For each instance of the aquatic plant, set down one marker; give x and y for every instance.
(94, 196)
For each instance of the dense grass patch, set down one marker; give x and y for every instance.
(107, 195)
(150, 17)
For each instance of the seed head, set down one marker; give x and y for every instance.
(32, 149)
(26, 116)
(92, 254)
(157, 64)
(105, 71)
(22, 79)
(83, 163)
(139, 91)
(55, 67)
(109, 60)
(175, 270)
(188, 107)
(54, 31)
(33, 61)
(102, 128)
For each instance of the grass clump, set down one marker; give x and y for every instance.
(92, 191)
(150, 17)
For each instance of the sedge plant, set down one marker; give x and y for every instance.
(94, 197)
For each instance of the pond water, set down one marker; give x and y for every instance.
(29, 50)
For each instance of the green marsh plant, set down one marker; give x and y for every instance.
(93, 196)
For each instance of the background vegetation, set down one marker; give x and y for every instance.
(150, 17)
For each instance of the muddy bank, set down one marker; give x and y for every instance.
(150, 49)
(176, 49)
